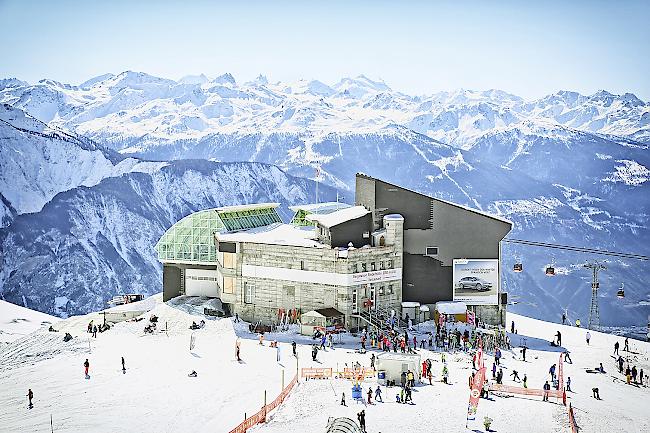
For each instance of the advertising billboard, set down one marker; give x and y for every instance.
(476, 281)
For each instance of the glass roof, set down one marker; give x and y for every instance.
(192, 238)
(249, 219)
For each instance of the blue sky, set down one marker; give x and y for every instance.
(527, 48)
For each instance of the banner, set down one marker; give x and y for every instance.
(476, 281)
(475, 393)
(471, 318)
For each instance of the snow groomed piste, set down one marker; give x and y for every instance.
(154, 393)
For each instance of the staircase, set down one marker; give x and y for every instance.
(377, 319)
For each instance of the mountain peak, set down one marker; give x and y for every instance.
(226, 78)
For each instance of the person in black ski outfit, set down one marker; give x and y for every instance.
(123, 366)
(30, 396)
(362, 420)
(293, 347)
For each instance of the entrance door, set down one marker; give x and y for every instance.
(373, 296)
(201, 282)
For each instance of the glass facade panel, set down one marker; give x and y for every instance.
(192, 238)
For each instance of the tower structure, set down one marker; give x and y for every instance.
(594, 313)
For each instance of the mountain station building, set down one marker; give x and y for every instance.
(394, 246)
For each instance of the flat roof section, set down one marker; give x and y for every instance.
(339, 216)
(275, 234)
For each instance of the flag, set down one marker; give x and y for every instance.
(475, 393)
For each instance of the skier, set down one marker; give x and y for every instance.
(343, 400)
(588, 337)
(238, 349)
(369, 395)
(595, 393)
(293, 348)
(86, 367)
(559, 338)
(620, 364)
(430, 376)
(314, 352)
(568, 384)
(497, 355)
(494, 370)
(277, 351)
(378, 395)
(403, 379)
(515, 376)
(409, 396)
(512, 327)
(567, 357)
(577, 323)
(123, 366)
(372, 361)
(627, 345)
(563, 318)
(523, 352)
(525, 381)
(261, 337)
(323, 340)
(616, 346)
(445, 374)
(30, 396)
(551, 371)
(95, 331)
(547, 388)
(362, 420)
(500, 376)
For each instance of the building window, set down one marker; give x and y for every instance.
(229, 260)
(389, 264)
(355, 268)
(228, 285)
(290, 290)
(302, 265)
(381, 290)
(372, 266)
(249, 293)
(363, 267)
(390, 289)
(431, 251)
(381, 265)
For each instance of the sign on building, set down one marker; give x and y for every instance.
(476, 281)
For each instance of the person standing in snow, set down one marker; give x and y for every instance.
(512, 327)
(627, 344)
(238, 349)
(563, 318)
(588, 337)
(568, 384)
(369, 395)
(261, 339)
(123, 366)
(30, 396)
(95, 331)
(596, 394)
(559, 338)
(86, 367)
(314, 352)
(500, 376)
(547, 388)
(567, 357)
(616, 346)
(523, 353)
(343, 400)
(277, 351)
(372, 361)
(494, 370)
(293, 348)
(497, 356)
(362, 420)
(525, 381)
(551, 371)
(445, 374)
(378, 394)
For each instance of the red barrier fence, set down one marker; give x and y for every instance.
(260, 416)
(572, 420)
(316, 373)
(525, 391)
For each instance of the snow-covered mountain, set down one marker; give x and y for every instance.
(90, 243)
(566, 168)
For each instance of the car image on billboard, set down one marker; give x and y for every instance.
(476, 281)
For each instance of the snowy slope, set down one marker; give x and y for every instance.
(156, 395)
(17, 321)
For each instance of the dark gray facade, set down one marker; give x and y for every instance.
(356, 231)
(455, 231)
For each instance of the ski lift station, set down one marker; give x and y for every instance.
(363, 261)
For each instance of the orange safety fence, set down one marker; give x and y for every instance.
(572, 420)
(351, 373)
(260, 416)
(316, 373)
(524, 391)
